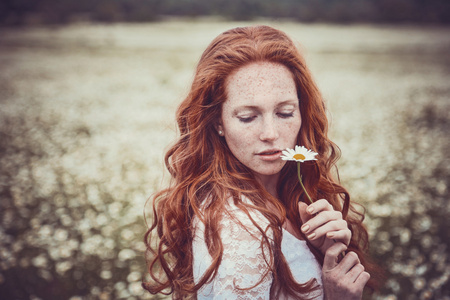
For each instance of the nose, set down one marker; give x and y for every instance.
(269, 130)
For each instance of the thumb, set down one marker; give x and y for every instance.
(304, 215)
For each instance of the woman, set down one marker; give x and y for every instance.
(233, 223)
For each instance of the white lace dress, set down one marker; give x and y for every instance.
(243, 264)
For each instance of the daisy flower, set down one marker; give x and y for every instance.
(299, 154)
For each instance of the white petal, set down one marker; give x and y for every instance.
(291, 151)
(284, 152)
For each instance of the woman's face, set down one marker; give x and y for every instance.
(261, 117)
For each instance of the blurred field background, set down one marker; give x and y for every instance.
(87, 112)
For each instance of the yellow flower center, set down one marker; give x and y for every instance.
(299, 156)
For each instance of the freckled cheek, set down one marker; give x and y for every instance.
(239, 142)
(291, 130)
(294, 127)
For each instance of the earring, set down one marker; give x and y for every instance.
(220, 132)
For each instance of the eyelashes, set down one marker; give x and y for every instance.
(251, 118)
(246, 119)
(286, 115)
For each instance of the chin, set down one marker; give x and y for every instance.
(267, 172)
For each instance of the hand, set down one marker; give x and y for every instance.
(322, 225)
(343, 280)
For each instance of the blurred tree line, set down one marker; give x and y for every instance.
(28, 12)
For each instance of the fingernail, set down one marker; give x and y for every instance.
(330, 234)
(310, 210)
(305, 228)
(311, 236)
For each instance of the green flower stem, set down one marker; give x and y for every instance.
(301, 183)
(342, 255)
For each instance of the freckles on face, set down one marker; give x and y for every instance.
(261, 115)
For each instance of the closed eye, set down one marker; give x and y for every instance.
(246, 119)
(286, 115)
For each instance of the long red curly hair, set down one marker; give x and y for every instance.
(202, 167)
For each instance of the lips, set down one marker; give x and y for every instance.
(270, 154)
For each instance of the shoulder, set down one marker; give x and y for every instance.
(244, 216)
(234, 218)
(239, 225)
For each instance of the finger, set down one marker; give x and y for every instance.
(356, 287)
(342, 236)
(350, 260)
(318, 206)
(331, 230)
(324, 218)
(332, 256)
(355, 272)
(304, 215)
(362, 279)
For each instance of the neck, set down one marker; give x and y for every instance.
(269, 182)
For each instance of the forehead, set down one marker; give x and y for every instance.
(260, 79)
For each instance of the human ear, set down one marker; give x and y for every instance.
(219, 129)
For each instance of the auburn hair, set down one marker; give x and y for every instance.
(203, 168)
